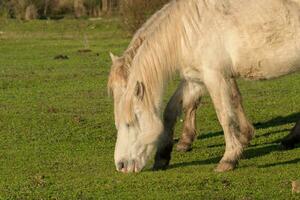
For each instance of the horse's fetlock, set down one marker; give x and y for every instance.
(184, 147)
(226, 165)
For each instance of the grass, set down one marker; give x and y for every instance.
(57, 131)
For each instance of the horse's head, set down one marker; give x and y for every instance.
(137, 121)
(139, 127)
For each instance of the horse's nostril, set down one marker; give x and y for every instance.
(120, 166)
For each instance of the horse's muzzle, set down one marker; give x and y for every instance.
(131, 166)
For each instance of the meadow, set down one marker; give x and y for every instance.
(57, 129)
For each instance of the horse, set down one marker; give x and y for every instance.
(210, 43)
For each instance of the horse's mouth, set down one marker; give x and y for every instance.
(132, 166)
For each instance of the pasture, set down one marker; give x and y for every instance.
(57, 131)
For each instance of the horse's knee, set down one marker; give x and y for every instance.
(171, 113)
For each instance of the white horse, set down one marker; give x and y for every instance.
(210, 42)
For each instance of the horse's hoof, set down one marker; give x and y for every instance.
(183, 147)
(225, 166)
(161, 165)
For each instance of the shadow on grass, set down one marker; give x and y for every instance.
(196, 162)
(273, 132)
(257, 136)
(261, 150)
(216, 145)
(280, 163)
(252, 152)
(278, 121)
(249, 153)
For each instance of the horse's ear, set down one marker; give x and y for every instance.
(140, 90)
(113, 57)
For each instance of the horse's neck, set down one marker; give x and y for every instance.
(159, 54)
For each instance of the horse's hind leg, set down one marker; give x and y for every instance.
(185, 94)
(192, 94)
(293, 138)
(237, 130)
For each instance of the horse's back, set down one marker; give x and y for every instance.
(263, 37)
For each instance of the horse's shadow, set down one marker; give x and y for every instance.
(277, 121)
(196, 162)
(265, 150)
(254, 150)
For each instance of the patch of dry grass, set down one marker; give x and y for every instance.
(135, 12)
(32, 9)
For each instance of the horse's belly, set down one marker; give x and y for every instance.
(263, 69)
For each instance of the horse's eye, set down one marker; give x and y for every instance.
(127, 125)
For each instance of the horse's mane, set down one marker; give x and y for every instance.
(120, 73)
(158, 56)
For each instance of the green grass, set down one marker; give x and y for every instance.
(57, 130)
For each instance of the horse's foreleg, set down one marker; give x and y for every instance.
(293, 138)
(165, 146)
(192, 94)
(185, 98)
(228, 104)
